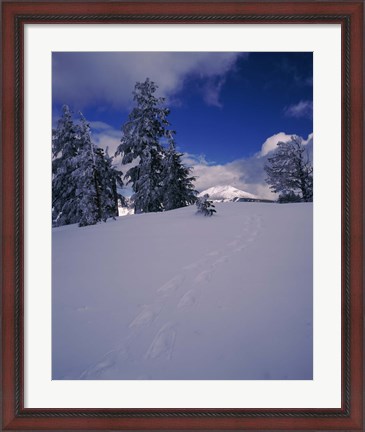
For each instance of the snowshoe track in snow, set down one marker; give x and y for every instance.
(146, 316)
(188, 299)
(99, 368)
(172, 285)
(204, 276)
(163, 343)
(223, 259)
(193, 278)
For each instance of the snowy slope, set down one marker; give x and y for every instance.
(227, 193)
(178, 296)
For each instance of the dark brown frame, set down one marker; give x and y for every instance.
(350, 16)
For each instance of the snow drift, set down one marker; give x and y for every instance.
(178, 296)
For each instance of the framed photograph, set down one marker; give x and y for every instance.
(182, 215)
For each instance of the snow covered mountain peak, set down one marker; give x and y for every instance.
(227, 193)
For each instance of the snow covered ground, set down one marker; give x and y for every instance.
(178, 296)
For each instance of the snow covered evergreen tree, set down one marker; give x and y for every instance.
(64, 149)
(109, 179)
(84, 184)
(205, 207)
(290, 171)
(96, 180)
(88, 190)
(143, 135)
(177, 184)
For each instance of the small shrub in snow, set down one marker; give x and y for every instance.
(205, 207)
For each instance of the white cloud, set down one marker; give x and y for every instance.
(271, 143)
(106, 78)
(212, 175)
(211, 92)
(245, 174)
(105, 136)
(301, 109)
(99, 125)
(309, 140)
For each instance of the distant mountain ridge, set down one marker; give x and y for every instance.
(228, 193)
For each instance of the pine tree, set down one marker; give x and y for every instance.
(205, 207)
(290, 171)
(177, 184)
(143, 135)
(64, 149)
(109, 179)
(85, 183)
(97, 180)
(85, 175)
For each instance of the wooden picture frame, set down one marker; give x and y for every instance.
(14, 17)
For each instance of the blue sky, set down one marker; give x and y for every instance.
(229, 110)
